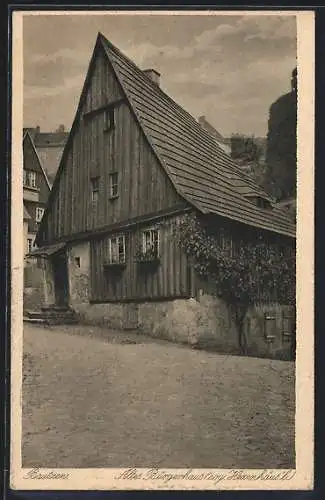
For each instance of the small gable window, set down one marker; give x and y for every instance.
(109, 121)
(94, 189)
(113, 185)
(39, 214)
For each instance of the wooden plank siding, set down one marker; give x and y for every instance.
(168, 280)
(144, 187)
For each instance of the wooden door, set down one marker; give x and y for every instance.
(60, 274)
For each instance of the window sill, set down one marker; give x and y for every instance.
(149, 261)
(114, 266)
(31, 188)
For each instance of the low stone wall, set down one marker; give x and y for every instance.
(79, 274)
(108, 315)
(269, 330)
(34, 296)
(206, 322)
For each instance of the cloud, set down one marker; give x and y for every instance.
(270, 27)
(200, 43)
(42, 91)
(66, 54)
(209, 37)
(231, 67)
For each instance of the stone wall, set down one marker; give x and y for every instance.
(79, 274)
(206, 322)
(38, 284)
(203, 321)
(269, 330)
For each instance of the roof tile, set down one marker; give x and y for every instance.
(198, 167)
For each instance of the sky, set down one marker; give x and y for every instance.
(228, 68)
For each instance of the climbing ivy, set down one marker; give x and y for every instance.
(242, 272)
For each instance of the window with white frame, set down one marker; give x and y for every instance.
(32, 179)
(150, 241)
(29, 245)
(29, 178)
(116, 250)
(113, 185)
(95, 189)
(39, 214)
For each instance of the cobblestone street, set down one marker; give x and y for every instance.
(95, 398)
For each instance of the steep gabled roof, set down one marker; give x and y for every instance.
(26, 133)
(50, 139)
(198, 167)
(212, 130)
(202, 173)
(27, 216)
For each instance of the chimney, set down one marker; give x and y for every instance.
(38, 129)
(202, 120)
(61, 128)
(206, 125)
(153, 75)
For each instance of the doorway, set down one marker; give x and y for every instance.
(60, 277)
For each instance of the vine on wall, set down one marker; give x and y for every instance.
(243, 273)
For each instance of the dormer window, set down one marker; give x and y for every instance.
(260, 202)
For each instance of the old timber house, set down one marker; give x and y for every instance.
(134, 163)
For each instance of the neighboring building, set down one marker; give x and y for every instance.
(50, 147)
(262, 142)
(36, 190)
(135, 162)
(281, 152)
(27, 218)
(223, 143)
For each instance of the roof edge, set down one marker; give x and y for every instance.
(69, 139)
(129, 100)
(38, 158)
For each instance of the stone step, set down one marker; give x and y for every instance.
(61, 321)
(50, 314)
(27, 319)
(55, 308)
